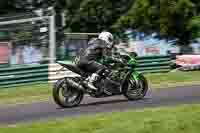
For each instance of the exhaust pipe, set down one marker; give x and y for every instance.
(73, 84)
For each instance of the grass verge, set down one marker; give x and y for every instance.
(182, 119)
(164, 80)
(42, 92)
(25, 94)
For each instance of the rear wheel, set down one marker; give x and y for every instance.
(65, 96)
(132, 92)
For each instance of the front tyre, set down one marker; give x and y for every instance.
(65, 96)
(132, 92)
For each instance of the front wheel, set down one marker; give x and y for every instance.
(132, 92)
(65, 96)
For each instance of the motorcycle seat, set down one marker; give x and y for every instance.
(70, 66)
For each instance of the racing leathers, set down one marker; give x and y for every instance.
(89, 61)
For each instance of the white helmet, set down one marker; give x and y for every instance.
(107, 37)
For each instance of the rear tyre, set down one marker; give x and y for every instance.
(136, 93)
(65, 96)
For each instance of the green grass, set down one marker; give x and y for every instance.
(42, 92)
(182, 119)
(173, 79)
(25, 94)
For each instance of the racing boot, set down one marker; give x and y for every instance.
(91, 81)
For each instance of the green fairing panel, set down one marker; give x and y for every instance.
(135, 75)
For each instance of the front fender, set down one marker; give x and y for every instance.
(132, 74)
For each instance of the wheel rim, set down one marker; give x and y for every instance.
(135, 91)
(67, 95)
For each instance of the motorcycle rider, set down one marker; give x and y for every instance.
(90, 57)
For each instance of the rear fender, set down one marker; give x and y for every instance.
(65, 71)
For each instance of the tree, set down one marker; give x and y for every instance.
(30, 5)
(5, 6)
(171, 19)
(176, 21)
(94, 15)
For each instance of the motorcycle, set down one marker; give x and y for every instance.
(120, 78)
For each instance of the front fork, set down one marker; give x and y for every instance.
(135, 77)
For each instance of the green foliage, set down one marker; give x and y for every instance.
(194, 25)
(175, 20)
(5, 6)
(94, 15)
(21, 35)
(170, 18)
(140, 16)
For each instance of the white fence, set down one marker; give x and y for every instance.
(29, 39)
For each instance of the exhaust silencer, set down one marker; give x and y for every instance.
(73, 84)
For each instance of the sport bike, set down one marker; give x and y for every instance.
(121, 78)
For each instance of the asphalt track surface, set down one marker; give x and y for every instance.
(49, 110)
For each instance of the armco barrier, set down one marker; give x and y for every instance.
(19, 75)
(153, 64)
(26, 74)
